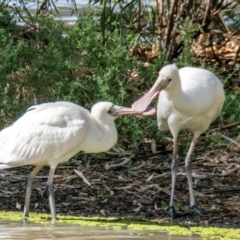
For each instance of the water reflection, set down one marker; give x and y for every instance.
(59, 3)
(64, 8)
(16, 230)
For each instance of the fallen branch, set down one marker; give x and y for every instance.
(230, 171)
(80, 174)
(230, 140)
(125, 160)
(194, 175)
(230, 125)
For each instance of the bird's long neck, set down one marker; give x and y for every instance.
(103, 136)
(109, 134)
(175, 91)
(176, 96)
(106, 128)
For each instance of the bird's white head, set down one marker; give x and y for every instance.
(168, 75)
(167, 79)
(107, 112)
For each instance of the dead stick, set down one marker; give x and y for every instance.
(236, 56)
(230, 140)
(170, 24)
(230, 125)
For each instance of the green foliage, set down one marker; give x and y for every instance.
(84, 68)
(110, 65)
(101, 195)
(127, 17)
(32, 71)
(231, 107)
(186, 31)
(163, 205)
(77, 68)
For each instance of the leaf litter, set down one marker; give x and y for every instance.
(137, 186)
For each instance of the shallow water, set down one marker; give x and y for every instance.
(17, 230)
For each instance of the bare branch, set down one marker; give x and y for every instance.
(230, 140)
(170, 23)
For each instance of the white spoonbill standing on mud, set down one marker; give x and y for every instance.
(52, 133)
(189, 98)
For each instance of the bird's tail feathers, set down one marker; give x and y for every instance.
(4, 166)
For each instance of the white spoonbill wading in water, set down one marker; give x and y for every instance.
(52, 133)
(189, 98)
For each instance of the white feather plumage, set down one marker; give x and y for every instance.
(52, 133)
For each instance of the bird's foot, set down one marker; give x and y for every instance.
(175, 158)
(197, 210)
(25, 220)
(173, 213)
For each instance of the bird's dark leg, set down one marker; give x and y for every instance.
(51, 193)
(221, 122)
(29, 190)
(174, 168)
(188, 165)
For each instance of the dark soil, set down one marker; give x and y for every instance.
(140, 188)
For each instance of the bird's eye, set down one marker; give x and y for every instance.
(169, 80)
(109, 111)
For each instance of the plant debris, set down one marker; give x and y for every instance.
(138, 189)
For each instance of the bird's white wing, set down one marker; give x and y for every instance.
(45, 133)
(201, 89)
